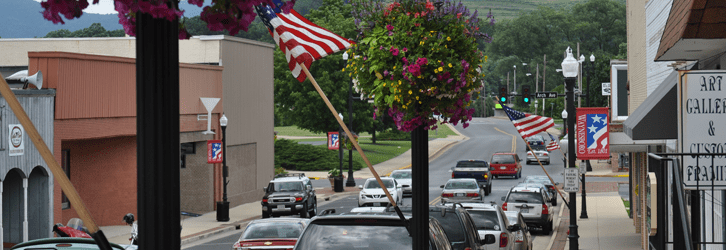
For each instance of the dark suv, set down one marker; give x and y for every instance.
(382, 230)
(458, 226)
(289, 194)
(477, 169)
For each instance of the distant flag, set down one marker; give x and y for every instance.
(553, 145)
(528, 125)
(301, 40)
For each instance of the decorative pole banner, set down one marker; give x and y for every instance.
(593, 132)
(333, 140)
(214, 151)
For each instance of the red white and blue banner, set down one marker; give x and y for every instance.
(593, 133)
(214, 151)
(333, 140)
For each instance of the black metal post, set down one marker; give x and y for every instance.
(587, 99)
(583, 213)
(157, 132)
(351, 181)
(420, 189)
(570, 82)
(223, 207)
(340, 150)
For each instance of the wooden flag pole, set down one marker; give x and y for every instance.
(347, 132)
(55, 168)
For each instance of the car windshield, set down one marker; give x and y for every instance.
(288, 186)
(451, 224)
(485, 220)
(460, 185)
(525, 197)
(543, 181)
(272, 231)
(374, 184)
(319, 237)
(401, 175)
(502, 159)
(471, 164)
(539, 147)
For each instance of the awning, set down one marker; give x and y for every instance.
(656, 118)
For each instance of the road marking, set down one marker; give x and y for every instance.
(435, 201)
(514, 139)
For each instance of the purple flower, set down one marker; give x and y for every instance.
(393, 51)
(385, 73)
(390, 33)
(389, 27)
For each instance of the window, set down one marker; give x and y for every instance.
(66, 165)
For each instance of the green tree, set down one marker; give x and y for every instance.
(95, 30)
(300, 103)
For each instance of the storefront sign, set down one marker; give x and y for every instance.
(333, 140)
(15, 140)
(593, 132)
(214, 151)
(703, 128)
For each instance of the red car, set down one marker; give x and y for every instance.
(274, 233)
(505, 164)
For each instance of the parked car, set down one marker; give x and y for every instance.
(403, 177)
(460, 190)
(545, 181)
(531, 203)
(458, 226)
(371, 193)
(67, 243)
(506, 164)
(538, 186)
(522, 237)
(290, 194)
(477, 169)
(540, 154)
(273, 233)
(489, 218)
(366, 231)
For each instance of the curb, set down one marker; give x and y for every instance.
(608, 175)
(554, 234)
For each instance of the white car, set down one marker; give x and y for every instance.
(489, 218)
(403, 177)
(522, 237)
(461, 190)
(371, 194)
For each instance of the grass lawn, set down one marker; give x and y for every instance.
(441, 132)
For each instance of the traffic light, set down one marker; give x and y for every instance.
(503, 94)
(525, 95)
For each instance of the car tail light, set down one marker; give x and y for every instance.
(452, 175)
(468, 248)
(486, 176)
(504, 206)
(447, 195)
(472, 195)
(545, 154)
(264, 200)
(503, 240)
(529, 153)
(545, 209)
(298, 198)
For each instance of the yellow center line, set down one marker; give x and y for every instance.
(435, 201)
(514, 139)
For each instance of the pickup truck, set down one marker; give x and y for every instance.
(477, 169)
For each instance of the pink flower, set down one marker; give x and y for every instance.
(394, 51)
(458, 15)
(389, 27)
(404, 49)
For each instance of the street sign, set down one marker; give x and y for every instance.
(572, 184)
(545, 94)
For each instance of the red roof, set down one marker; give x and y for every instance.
(693, 19)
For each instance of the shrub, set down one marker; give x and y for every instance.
(303, 157)
(393, 135)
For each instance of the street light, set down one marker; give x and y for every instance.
(223, 207)
(569, 70)
(351, 181)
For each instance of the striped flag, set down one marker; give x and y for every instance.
(553, 145)
(301, 40)
(528, 125)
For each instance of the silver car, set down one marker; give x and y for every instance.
(541, 154)
(522, 237)
(490, 219)
(403, 177)
(461, 190)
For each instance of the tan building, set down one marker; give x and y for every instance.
(246, 99)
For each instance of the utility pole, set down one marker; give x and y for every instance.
(536, 89)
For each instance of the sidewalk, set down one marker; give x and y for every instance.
(205, 226)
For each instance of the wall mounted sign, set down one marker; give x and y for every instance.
(333, 140)
(15, 140)
(702, 128)
(593, 132)
(214, 151)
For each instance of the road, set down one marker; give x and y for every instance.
(487, 136)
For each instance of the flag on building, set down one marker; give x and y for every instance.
(553, 145)
(528, 125)
(301, 40)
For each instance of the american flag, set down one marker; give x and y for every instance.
(596, 131)
(301, 40)
(553, 145)
(528, 125)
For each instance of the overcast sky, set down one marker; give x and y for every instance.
(106, 7)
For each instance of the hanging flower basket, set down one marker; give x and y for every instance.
(417, 60)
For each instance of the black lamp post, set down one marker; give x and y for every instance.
(569, 70)
(223, 207)
(583, 213)
(350, 182)
(564, 121)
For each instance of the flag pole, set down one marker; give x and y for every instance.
(347, 132)
(540, 163)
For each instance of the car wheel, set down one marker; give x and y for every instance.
(315, 209)
(304, 211)
(547, 229)
(490, 189)
(265, 215)
(486, 191)
(554, 201)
